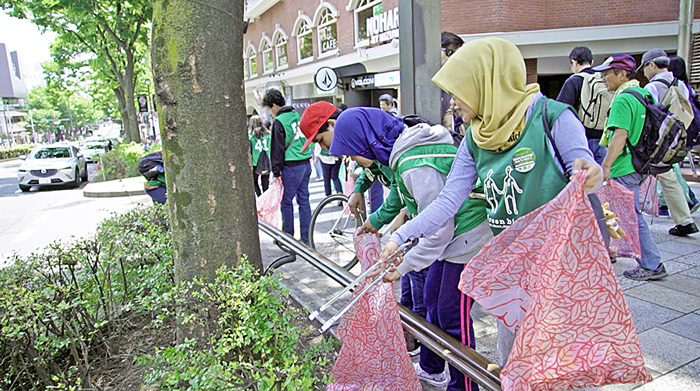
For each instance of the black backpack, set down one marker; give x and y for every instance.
(148, 165)
(663, 139)
(693, 129)
(264, 165)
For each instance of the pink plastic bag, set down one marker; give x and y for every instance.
(549, 279)
(621, 200)
(373, 356)
(268, 204)
(349, 183)
(649, 197)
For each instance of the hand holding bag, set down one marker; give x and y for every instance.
(549, 279)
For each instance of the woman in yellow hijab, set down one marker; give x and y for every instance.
(522, 146)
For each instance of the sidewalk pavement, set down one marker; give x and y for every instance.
(116, 188)
(666, 313)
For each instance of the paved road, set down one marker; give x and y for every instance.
(30, 221)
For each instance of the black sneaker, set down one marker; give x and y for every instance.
(641, 274)
(683, 230)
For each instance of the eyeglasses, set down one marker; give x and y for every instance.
(448, 51)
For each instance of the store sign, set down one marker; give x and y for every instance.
(328, 39)
(326, 79)
(362, 82)
(383, 27)
(392, 78)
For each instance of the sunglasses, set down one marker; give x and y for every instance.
(448, 51)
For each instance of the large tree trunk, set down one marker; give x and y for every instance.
(199, 83)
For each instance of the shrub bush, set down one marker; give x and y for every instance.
(7, 153)
(65, 312)
(122, 162)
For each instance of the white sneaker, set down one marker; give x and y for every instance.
(437, 380)
(414, 352)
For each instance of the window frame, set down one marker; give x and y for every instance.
(252, 55)
(356, 10)
(323, 11)
(266, 47)
(279, 38)
(303, 21)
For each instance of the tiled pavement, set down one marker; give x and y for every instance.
(666, 313)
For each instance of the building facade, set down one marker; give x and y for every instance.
(13, 95)
(288, 42)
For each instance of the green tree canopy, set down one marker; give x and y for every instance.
(110, 35)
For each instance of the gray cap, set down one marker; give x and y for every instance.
(386, 98)
(651, 55)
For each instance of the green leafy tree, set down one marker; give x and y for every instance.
(113, 34)
(55, 107)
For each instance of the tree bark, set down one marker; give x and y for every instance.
(197, 50)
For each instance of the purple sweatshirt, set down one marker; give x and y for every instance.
(569, 136)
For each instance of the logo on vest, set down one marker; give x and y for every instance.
(508, 193)
(524, 160)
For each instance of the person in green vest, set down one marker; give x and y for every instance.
(420, 157)
(290, 165)
(318, 124)
(259, 137)
(520, 164)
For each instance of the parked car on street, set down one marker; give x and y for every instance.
(52, 165)
(94, 147)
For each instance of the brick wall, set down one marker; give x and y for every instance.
(470, 16)
(531, 70)
(285, 13)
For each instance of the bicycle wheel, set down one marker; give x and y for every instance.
(332, 227)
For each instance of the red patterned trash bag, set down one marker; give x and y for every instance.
(621, 200)
(649, 197)
(549, 279)
(268, 204)
(373, 356)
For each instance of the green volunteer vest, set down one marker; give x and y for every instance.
(259, 145)
(293, 137)
(439, 157)
(523, 177)
(379, 172)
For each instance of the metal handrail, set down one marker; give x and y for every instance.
(466, 360)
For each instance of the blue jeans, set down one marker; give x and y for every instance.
(598, 151)
(295, 180)
(376, 196)
(412, 288)
(449, 309)
(330, 172)
(651, 259)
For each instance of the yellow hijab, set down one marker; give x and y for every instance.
(489, 76)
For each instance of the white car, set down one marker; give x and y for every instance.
(52, 165)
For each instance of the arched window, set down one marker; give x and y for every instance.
(245, 65)
(252, 57)
(326, 18)
(364, 9)
(305, 45)
(266, 50)
(279, 41)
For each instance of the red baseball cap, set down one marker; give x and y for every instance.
(313, 118)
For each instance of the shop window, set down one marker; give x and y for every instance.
(364, 10)
(279, 40)
(305, 45)
(266, 50)
(326, 20)
(252, 56)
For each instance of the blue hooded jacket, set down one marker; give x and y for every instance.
(366, 131)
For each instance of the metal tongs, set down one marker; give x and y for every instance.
(391, 259)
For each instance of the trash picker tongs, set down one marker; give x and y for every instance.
(392, 259)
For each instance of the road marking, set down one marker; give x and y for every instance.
(24, 235)
(43, 218)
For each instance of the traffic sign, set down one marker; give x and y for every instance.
(326, 79)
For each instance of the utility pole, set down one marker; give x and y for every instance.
(685, 29)
(31, 122)
(419, 57)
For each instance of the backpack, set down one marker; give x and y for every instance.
(151, 165)
(264, 165)
(672, 95)
(693, 128)
(663, 139)
(595, 101)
